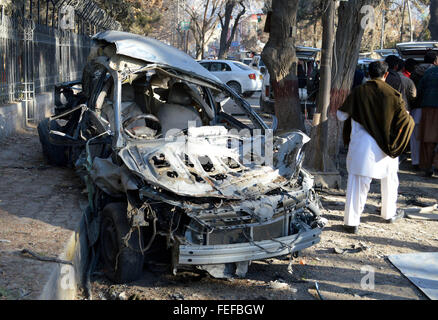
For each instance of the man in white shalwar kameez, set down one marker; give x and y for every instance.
(365, 159)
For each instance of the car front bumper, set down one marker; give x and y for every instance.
(232, 253)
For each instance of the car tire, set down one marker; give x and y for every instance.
(122, 264)
(248, 94)
(53, 154)
(235, 86)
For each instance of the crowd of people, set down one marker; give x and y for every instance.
(395, 108)
(418, 84)
(418, 95)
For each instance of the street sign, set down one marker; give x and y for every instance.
(185, 25)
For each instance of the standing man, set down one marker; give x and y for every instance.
(428, 131)
(408, 89)
(430, 59)
(409, 94)
(409, 68)
(393, 78)
(378, 130)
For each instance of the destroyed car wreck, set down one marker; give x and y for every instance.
(168, 170)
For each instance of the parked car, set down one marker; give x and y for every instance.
(306, 57)
(236, 75)
(167, 172)
(246, 61)
(386, 52)
(257, 63)
(363, 64)
(416, 50)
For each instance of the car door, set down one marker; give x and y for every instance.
(221, 70)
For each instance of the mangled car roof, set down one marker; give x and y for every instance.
(154, 51)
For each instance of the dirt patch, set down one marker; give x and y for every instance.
(39, 210)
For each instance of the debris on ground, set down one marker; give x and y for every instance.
(123, 296)
(421, 269)
(42, 258)
(317, 290)
(422, 213)
(355, 248)
(176, 296)
(280, 285)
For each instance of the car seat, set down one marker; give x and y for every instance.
(178, 111)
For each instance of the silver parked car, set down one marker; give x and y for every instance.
(237, 75)
(167, 171)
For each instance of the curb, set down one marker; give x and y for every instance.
(65, 280)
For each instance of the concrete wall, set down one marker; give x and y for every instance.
(13, 116)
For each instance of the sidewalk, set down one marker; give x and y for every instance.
(39, 211)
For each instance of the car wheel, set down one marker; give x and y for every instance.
(122, 260)
(54, 155)
(248, 94)
(236, 87)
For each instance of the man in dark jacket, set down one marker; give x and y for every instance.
(430, 59)
(428, 130)
(417, 73)
(393, 78)
(377, 129)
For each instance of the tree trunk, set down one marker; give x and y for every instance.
(349, 34)
(225, 42)
(225, 24)
(433, 22)
(318, 160)
(279, 56)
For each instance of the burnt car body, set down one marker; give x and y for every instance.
(166, 168)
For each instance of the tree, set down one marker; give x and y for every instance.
(319, 160)
(354, 17)
(203, 20)
(279, 56)
(136, 16)
(225, 20)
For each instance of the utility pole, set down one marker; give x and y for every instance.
(411, 26)
(402, 22)
(177, 25)
(382, 37)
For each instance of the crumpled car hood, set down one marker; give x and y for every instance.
(200, 165)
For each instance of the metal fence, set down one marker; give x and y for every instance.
(40, 46)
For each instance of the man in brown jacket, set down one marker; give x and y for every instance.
(377, 129)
